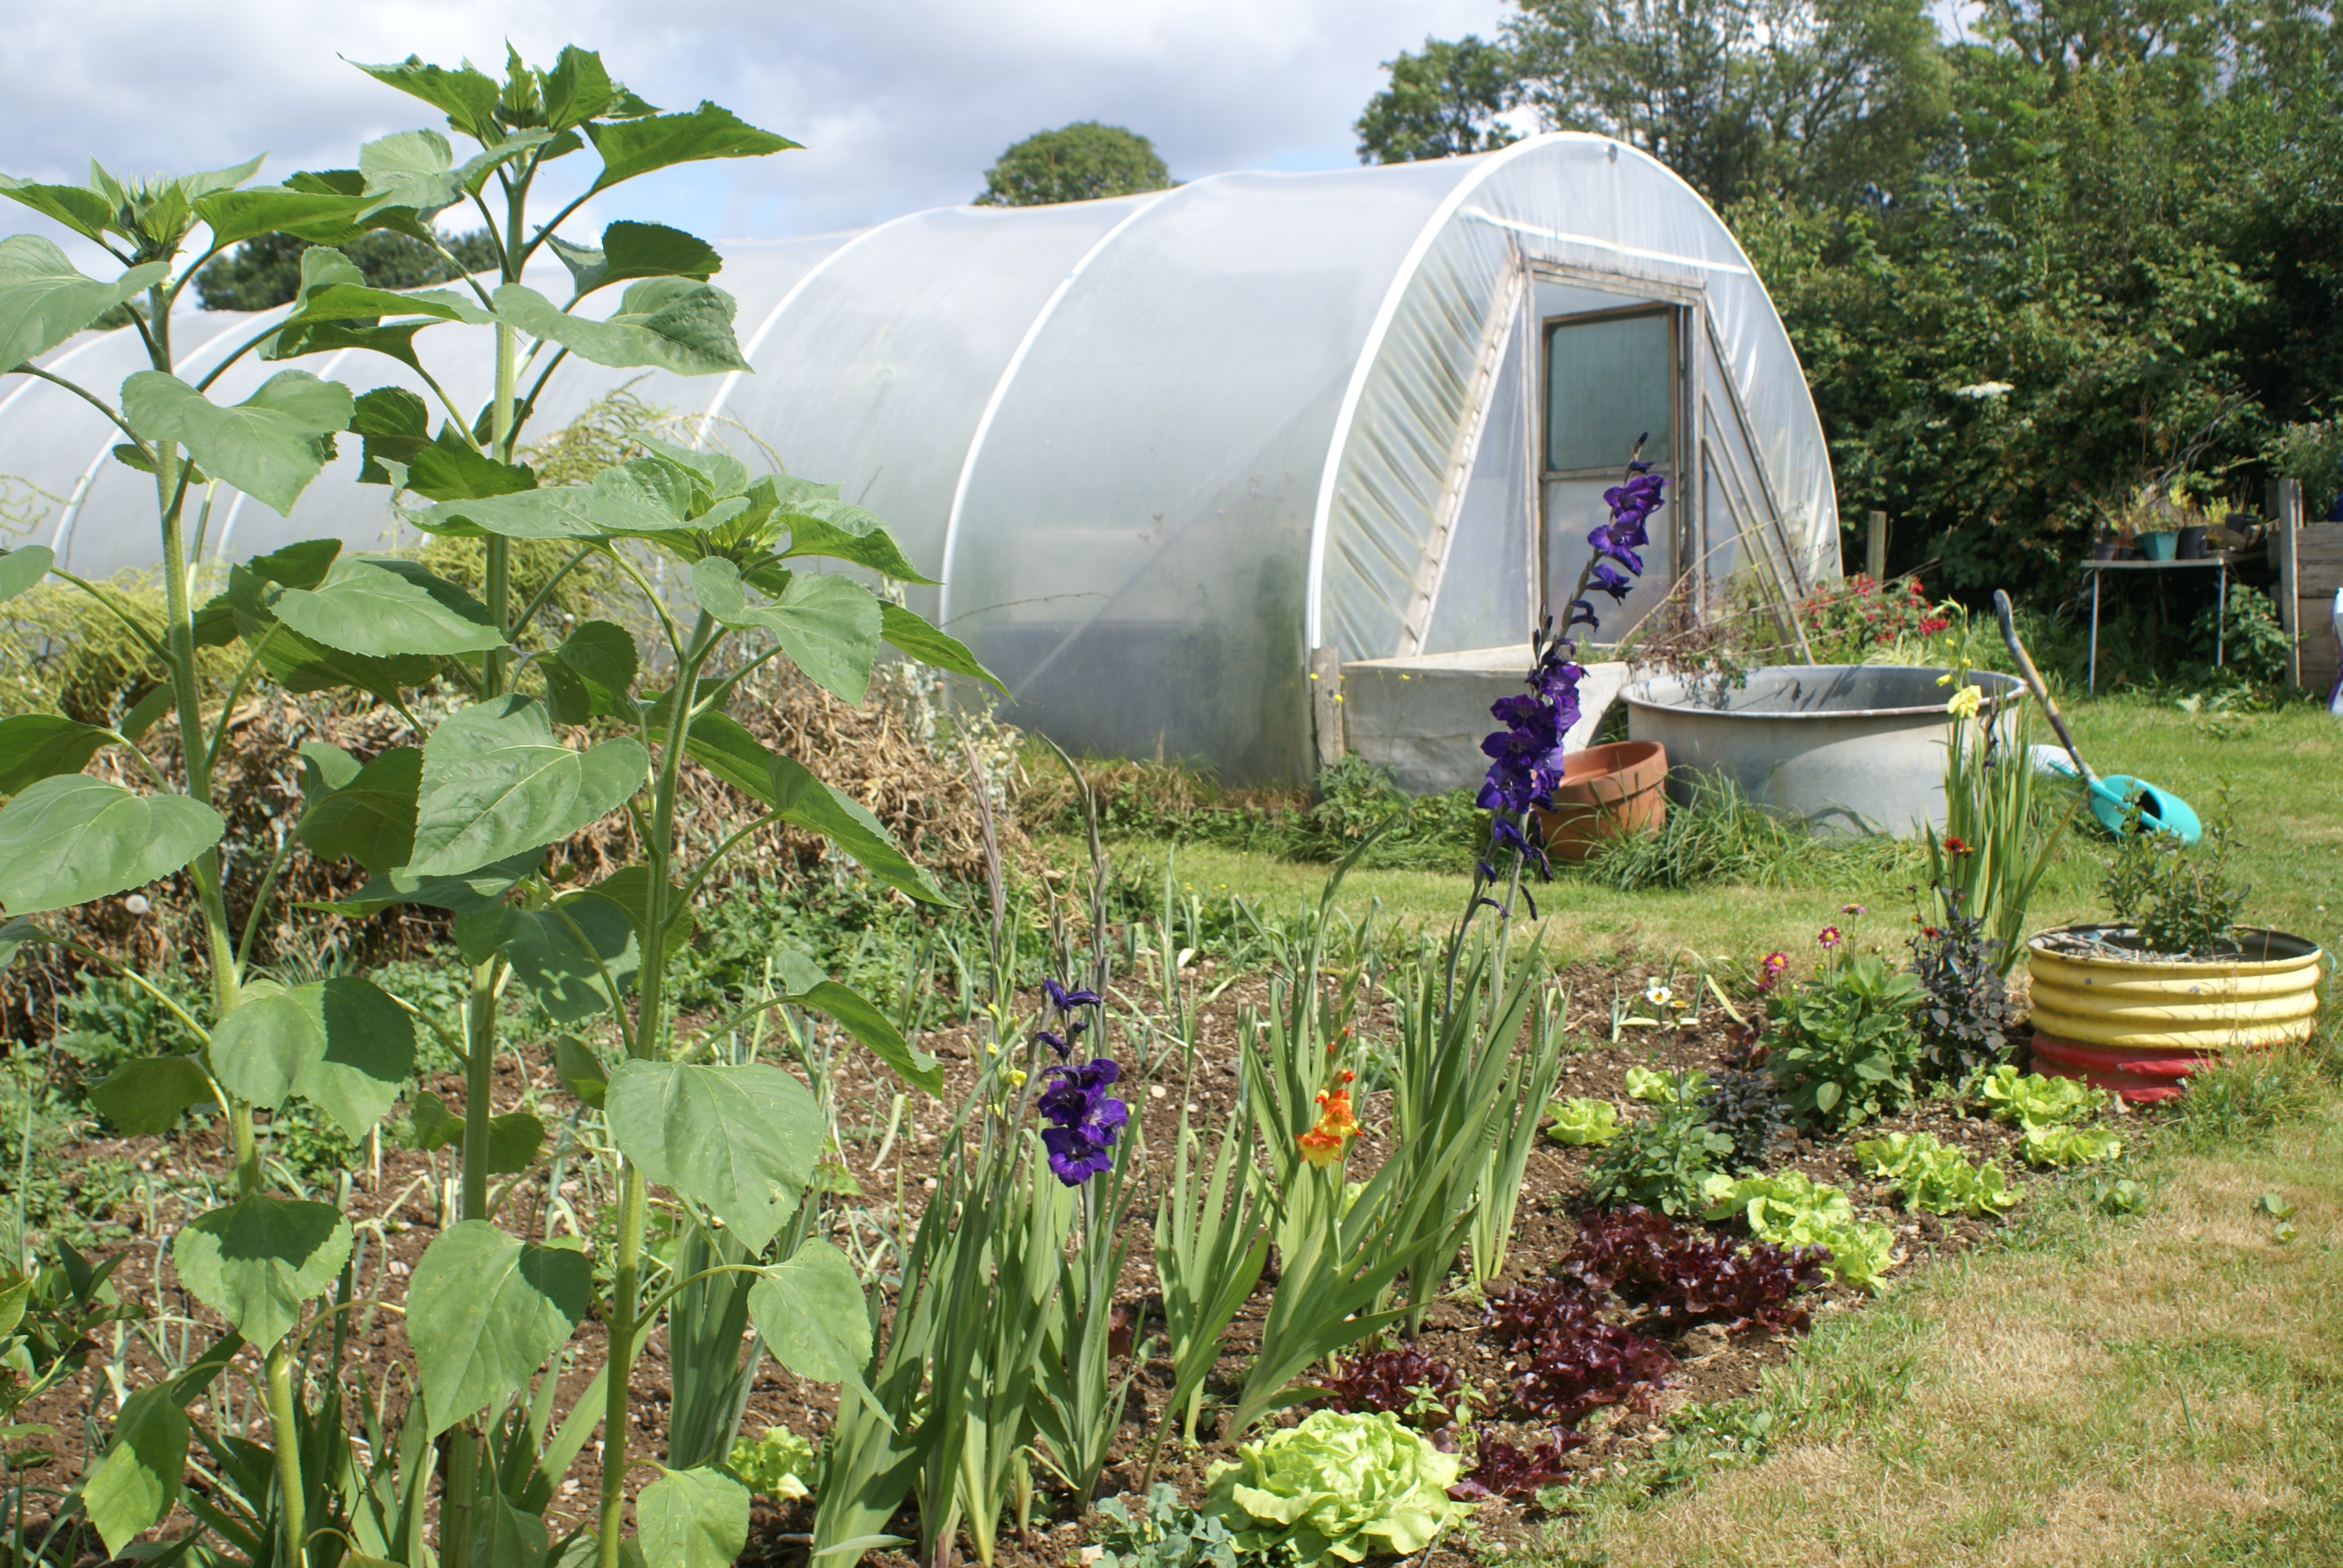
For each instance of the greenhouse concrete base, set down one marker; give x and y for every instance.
(1424, 717)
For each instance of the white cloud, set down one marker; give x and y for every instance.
(902, 104)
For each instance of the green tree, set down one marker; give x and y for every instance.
(1081, 162)
(266, 272)
(1739, 96)
(1441, 104)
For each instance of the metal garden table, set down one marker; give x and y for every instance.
(2221, 620)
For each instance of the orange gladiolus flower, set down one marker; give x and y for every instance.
(1323, 1145)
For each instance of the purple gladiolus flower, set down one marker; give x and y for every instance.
(1066, 1001)
(1084, 1119)
(1525, 757)
(1064, 1046)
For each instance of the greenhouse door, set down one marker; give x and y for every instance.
(1611, 375)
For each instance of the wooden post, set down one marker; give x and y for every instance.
(2286, 523)
(1326, 705)
(1875, 546)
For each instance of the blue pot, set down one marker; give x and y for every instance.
(2159, 546)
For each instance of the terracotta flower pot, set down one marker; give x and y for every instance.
(1606, 791)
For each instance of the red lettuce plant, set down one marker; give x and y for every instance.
(1413, 1386)
(1578, 1361)
(1508, 1470)
(1687, 1277)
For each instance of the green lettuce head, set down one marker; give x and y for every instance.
(1337, 1485)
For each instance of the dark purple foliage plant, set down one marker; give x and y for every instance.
(1419, 1389)
(1517, 1470)
(1688, 1277)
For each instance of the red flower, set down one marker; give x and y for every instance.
(1957, 847)
(1829, 937)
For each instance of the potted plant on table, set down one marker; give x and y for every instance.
(2144, 1002)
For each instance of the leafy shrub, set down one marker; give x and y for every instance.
(2250, 640)
(1507, 1470)
(1686, 1277)
(1579, 1121)
(1745, 1108)
(2180, 900)
(1846, 1051)
(1338, 1485)
(1964, 1021)
(1790, 1209)
(2120, 1197)
(2055, 1147)
(779, 1465)
(1940, 1179)
(1661, 1160)
(1167, 1534)
(1854, 614)
(1405, 1381)
(2036, 1100)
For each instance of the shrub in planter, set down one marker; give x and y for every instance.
(2181, 901)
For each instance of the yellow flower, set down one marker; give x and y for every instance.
(1016, 1077)
(1964, 703)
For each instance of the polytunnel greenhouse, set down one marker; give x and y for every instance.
(1161, 448)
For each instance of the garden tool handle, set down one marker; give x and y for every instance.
(2034, 682)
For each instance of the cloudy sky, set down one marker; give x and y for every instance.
(900, 104)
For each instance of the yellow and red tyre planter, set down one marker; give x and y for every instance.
(2141, 1027)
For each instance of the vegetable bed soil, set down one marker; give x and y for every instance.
(1713, 1364)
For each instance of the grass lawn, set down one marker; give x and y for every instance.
(2283, 772)
(2165, 1389)
(2161, 1388)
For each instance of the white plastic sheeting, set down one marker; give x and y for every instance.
(1158, 448)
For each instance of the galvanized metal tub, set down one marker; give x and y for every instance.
(1846, 749)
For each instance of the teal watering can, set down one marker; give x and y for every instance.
(2113, 794)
